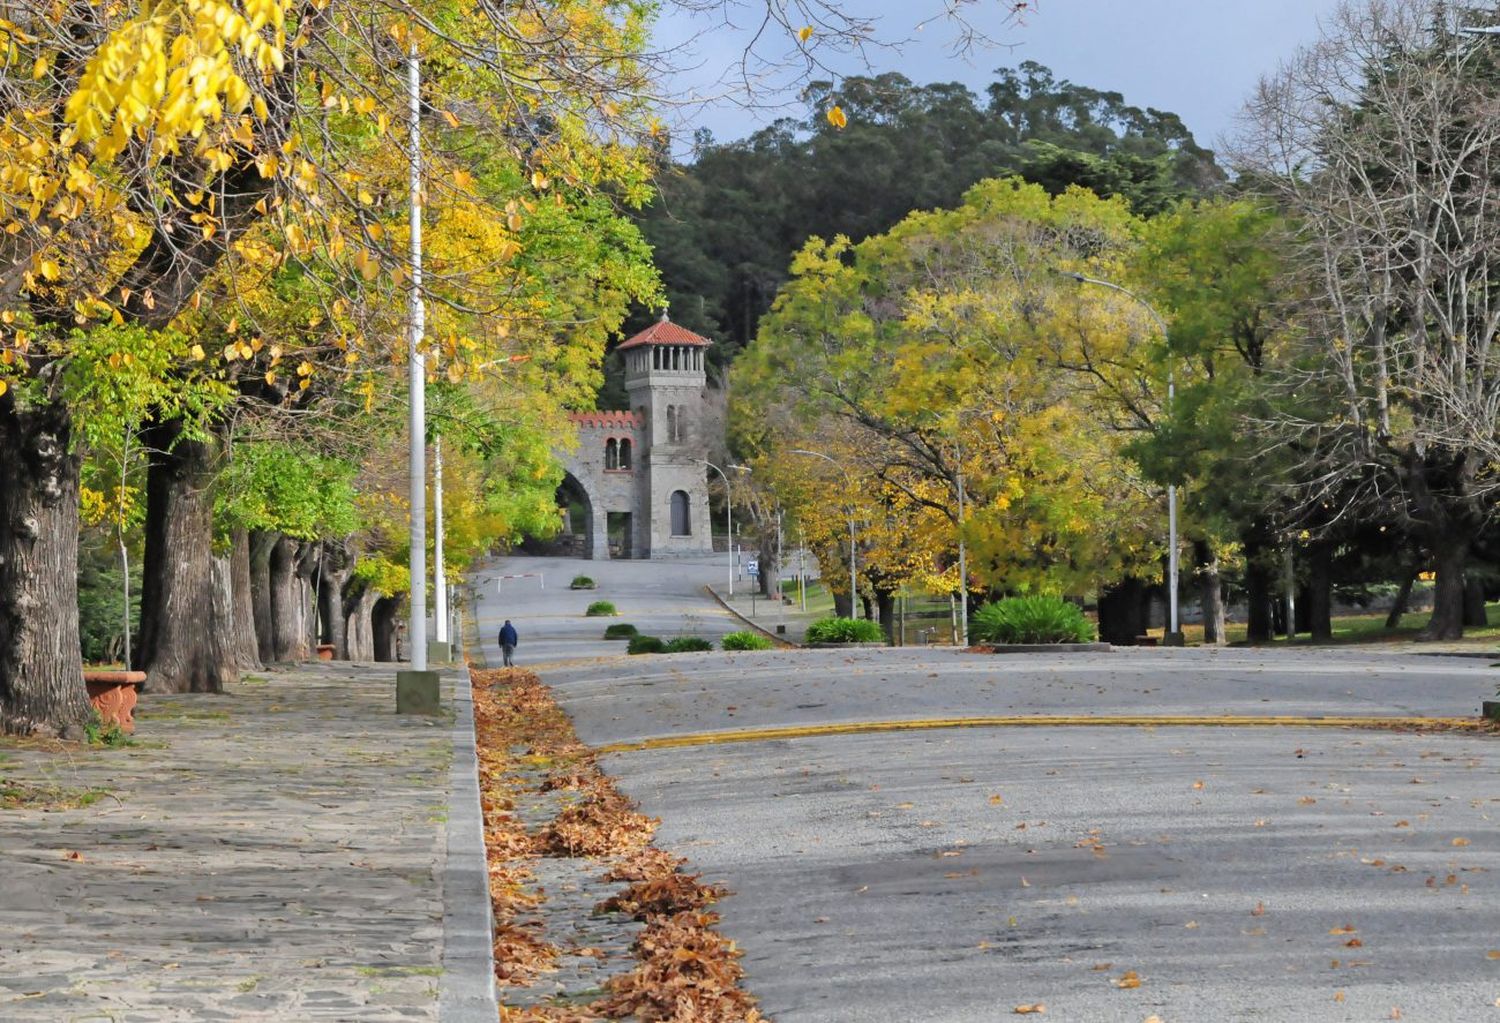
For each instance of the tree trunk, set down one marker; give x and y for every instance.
(842, 606)
(41, 664)
(359, 630)
(1450, 554)
(1474, 612)
(885, 600)
(1259, 591)
(334, 568)
(383, 627)
(1403, 598)
(181, 649)
(1210, 593)
(1123, 610)
(307, 596)
(244, 647)
(262, 543)
(288, 641)
(1319, 595)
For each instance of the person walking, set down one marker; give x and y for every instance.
(508, 640)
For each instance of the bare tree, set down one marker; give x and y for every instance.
(1383, 141)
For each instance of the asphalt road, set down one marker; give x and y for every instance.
(955, 875)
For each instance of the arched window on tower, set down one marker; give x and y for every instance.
(611, 454)
(624, 452)
(682, 524)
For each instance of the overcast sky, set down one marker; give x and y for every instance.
(1198, 58)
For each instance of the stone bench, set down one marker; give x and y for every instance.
(113, 694)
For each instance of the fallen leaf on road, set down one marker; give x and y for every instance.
(1152, 1019)
(1354, 943)
(1191, 925)
(1338, 996)
(1025, 883)
(1346, 929)
(995, 800)
(1493, 953)
(1198, 785)
(1027, 1010)
(1129, 979)
(73, 854)
(1259, 910)
(1306, 801)
(1460, 842)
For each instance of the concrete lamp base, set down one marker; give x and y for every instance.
(439, 653)
(417, 693)
(1174, 639)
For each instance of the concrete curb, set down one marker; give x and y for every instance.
(1046, 648)
(466, 993)
(780, 641)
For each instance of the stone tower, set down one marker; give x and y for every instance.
(666, 378)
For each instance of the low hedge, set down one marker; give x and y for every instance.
(688, 645)
(620, 630)
(845, 630)
(747, 641)
(581, 582)
(645, 645)
(1032, 620)
(601, 609)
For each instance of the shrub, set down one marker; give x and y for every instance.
(844, 630)
(645, 645)
(581, 582)
(747, 641)
(620, 630)
(601, 609)
(1032, 620)
(688, 645)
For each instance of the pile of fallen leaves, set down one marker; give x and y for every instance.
(687, 972)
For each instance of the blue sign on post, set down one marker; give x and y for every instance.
(752, 566)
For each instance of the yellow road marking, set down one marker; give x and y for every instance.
(1040, 721)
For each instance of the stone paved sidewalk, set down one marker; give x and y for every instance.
(272, 853)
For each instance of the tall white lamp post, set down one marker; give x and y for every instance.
(729, 511)
(1174, 634)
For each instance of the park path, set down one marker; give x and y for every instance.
(276, 852)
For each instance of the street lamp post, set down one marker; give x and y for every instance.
(1174, 635)
(729, 510)
(417, 383)
(849, 483)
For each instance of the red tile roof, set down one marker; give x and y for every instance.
(608, 420)
(665, 332)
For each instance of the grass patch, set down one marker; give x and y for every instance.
(399, 971)
(620, 630)
(600, 609)
(16, 795)
(747, 640)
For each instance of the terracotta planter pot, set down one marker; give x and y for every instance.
(113, 694)
(325, 651)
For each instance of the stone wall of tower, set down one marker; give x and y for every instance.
(668, 388)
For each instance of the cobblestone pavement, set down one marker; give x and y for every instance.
(271, 853)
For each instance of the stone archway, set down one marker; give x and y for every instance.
(585, 516)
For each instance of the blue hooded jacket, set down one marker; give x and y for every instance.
(508, 635)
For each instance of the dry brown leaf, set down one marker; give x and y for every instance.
(1338, 996)
(1259, 910)
(1198, 785)
(1129, 979)
(1346, 929)
(73, 854)
(1460, 842)
(1027, 1010)
(1493, 954)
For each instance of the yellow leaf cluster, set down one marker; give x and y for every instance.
(173, 70)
